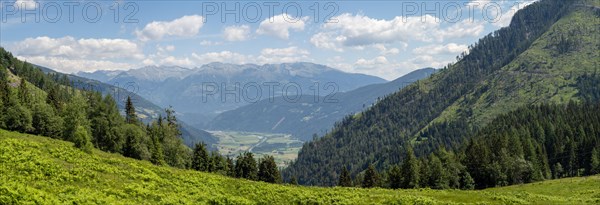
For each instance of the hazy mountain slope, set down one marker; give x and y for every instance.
(189, 90)
(58, 173)
(308, 115)
(378, 134)
(146, 110)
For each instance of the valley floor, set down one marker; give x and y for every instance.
(46, 171)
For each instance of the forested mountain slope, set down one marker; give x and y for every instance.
(537, 59)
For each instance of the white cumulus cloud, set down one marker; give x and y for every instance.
(186, 26)
(236, 33)
(74, 65)
(71, 48)
(448, 49)
(223, 57)
(283, 55)
(280, 26)
(25, 4)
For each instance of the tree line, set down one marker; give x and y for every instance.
(34, 102)
(530, 144)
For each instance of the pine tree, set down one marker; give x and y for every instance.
(595, 162)
(466, 181)
(572, 159)
(410, 170)
(231, 167)
(157, 153)
(436, 176)
(267, 170)
(294, 180)
(245, 166)
(345, 179)
(200, 157)
(558, 170)
(130, 116)
(24, 96)
(53, 97)
(371, 178)
(395, 177)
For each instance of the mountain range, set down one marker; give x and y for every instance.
(310, 114)
(201, 93)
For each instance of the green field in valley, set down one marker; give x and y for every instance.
(282, 147)
(40, 170)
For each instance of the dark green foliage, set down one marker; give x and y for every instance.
(466, 181)
(395, 177)
(371, 178)
(81, 139)
(570, 135)
(24, 96)
(294, 180)
(345, 178)
(230, 168)
(46, 122)
(267, 170)
(105, 121)
(200, 158)
(130, 116)
(588, 87)
(17, 118)
(176, 153)
(221, 165)
(595, 161)
(135, 143)
(437, 179)
(410, 170)
(245, 166)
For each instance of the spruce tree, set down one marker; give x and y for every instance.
(410, 170)
(24, 96)
(200, 158)
(267, 170)
(345, 178)
(294, 180)
(395, 177)
(436, 176)
(371, 178)
(130, 116)
(245, 166)
(231, 167)
(595, 162)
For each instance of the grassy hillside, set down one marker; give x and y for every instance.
(42, 170)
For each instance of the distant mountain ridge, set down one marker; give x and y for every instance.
(187, 90)
(308, 115)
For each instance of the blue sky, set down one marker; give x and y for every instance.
(381, 38)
